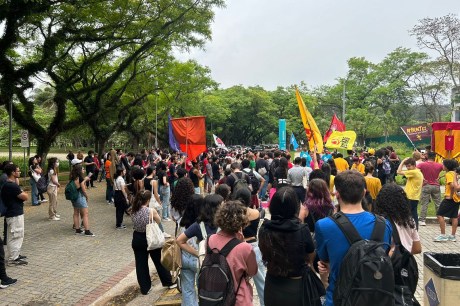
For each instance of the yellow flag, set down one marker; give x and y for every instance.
(341, 140)
(309, 124)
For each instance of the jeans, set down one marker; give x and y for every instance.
(188, 278)
(33, 184)
(197, 190)
(429, 191)
(413, 209)
(263, 189)
(259, 278)
(165, 194)
(109, 190)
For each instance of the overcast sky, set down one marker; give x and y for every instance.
(284, 42)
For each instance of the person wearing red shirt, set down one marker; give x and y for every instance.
(431, 189)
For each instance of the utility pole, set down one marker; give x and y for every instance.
(156, 114)
(344, 99)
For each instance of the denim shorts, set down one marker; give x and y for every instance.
(80, 202)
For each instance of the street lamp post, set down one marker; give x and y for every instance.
(156, 114)
(344, 99)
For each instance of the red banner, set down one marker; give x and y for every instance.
(417, 132)
(190, 133)
(336, 125)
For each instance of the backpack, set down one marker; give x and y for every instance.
(240, 183)
(255, 183)
(215, 280)
(71, 191)
(366, 275)
(386, 166)
(405, 272)
(42, 184)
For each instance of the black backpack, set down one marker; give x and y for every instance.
(255, 183)
(240, 183)
(215, 280)
(366, 275)
(405, 272)
(42, 184)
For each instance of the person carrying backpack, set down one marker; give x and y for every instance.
(334, 247)
(237, 179)
(229, 260)
(256, 181)
(392, 203)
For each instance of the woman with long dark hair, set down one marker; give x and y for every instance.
(165, 191)
(392, 203)
(34, 169)
(287, 248)
(141, 214)
(192, 209)
(80, 206)
(52, 172)
(182, 195)
(120, 197)
(318, 202)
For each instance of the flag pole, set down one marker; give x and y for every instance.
(408, 138)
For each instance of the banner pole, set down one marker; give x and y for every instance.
(409, 138)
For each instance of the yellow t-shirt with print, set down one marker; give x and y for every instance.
(450, 177)
(358, 167)
(414, 184)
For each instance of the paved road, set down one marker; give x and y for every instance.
(65, 269)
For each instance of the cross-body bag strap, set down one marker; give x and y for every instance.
(203, 230)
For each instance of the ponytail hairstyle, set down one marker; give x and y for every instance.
(141, 198)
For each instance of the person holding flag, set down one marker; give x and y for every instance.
(293, 142)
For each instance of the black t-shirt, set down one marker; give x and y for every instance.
(261, 163)
(172, 171)
(89, 168)
(215, 171)
(14, 205)
(160, 175)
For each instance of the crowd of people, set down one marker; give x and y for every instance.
(220, 196)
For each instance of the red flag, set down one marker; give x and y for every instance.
(190, 133)
(336, 125)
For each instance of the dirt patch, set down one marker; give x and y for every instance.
(128, 294)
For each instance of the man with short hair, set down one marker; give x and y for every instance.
(431, 188)
(90, 168)
(414, 184)
(296, 176)
(332, 245)
(236, 171)
(340, 163)
(13, 197)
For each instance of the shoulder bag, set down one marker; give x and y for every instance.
(171, 256)
(155, 237)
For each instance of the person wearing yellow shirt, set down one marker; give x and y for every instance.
(449, 206)
(340, 163)
(414, 184)
(373, 184)
(357, 166)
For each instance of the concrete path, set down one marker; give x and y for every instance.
(65, 269)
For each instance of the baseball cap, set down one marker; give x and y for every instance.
(371, 151)
(75, 161)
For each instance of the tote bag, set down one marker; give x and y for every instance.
(155, 237)
(171, 257)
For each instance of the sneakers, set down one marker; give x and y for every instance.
(22, 257)
(451, 238)
(44, 200)
(89, 234)
(441, 238)
(110, 203)
(166, 219)
(79, 231)
(421, 223)
(172, 286)
(54, 218)
(121, 227)
(7, 282)
(17, 262)
(166, 235)
(57, 216)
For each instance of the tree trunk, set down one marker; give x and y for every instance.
(100, 143)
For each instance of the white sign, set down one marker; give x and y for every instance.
(24, 138)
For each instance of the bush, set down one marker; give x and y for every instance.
(400, 148)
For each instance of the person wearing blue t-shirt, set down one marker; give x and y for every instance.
(326, 156)
(305, 154)
(332, 245)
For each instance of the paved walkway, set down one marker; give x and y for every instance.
(65, 269)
